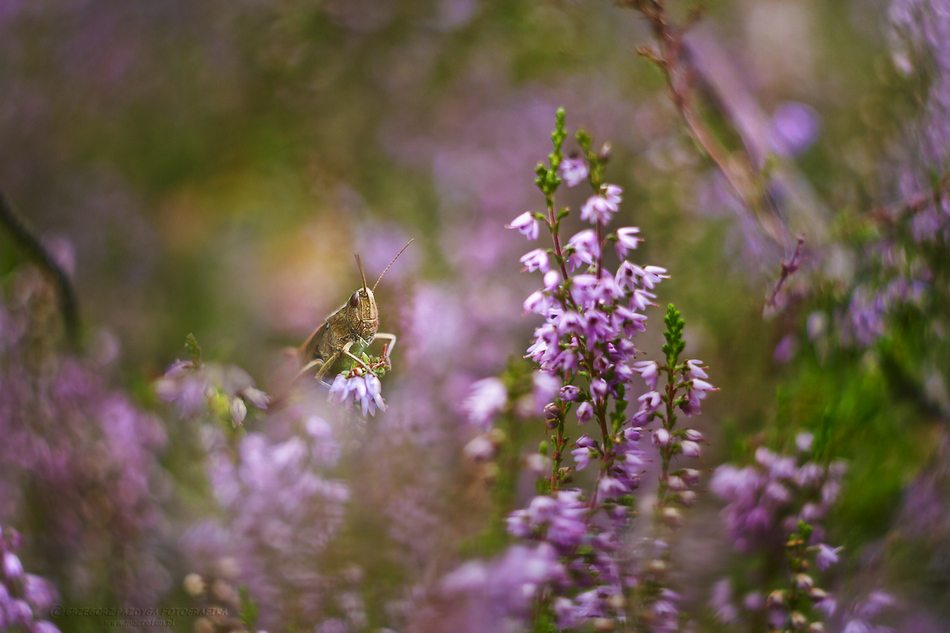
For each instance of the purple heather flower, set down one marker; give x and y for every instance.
(597, 210)
(827, 556)
(536, 260)
(661, 437)
(701, 385)
(629, 321)
(366, 390)
(537, 464)
(586, 449)
(695, 369)
(583, 247)
(627, 240)
(809, 475)
(651, 401)
(569, 393)
(567, 530)
(610, 488)
(12, 567)
(573, 171)
(585, 412)
(651, 275)
(649, 371)
(469, 576)
(641, 299)
(518, 524)
(567, 361)
(479, 449)
(564, 612)
(693, 435)
(795, 126)
(584, 290)
(598, 388)
(803, 441)
(255, 397)
(690, 449)
(488, 396)
(238, 412)
(541, 509)
(538, 302)
(526, 224)
(546, 387)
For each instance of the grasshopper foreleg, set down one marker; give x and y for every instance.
(390, 345)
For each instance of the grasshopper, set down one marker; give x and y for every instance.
(347, 332)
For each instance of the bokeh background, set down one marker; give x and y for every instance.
(211, 168)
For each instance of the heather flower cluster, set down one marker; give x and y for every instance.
(767, 499)
(24, 598)
(363, 389)
(586, 359)
(283, 511)
(775, 508)
(196, 387)
(79, 461)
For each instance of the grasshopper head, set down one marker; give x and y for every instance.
(362, 313)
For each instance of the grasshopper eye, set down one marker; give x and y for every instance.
(355, 299)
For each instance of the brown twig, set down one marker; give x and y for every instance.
(913, 204)
(680, 76)
(788, 268)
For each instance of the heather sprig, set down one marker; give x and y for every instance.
(24, 598)
(775, 511)
(585, 357)
(197, 387)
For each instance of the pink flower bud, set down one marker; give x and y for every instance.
(690, 449)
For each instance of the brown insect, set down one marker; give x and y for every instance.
(337, 343)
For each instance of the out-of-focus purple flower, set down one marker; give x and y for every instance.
(255, 396)
(185, 387)
(487, 397)
(827, 556)
(573, 171)
(526, 224)
(803, 441)
(795, 127)
(22, 594)
(586, 449)
(12, 567)
(282, 514)
(766, 501)
(479, 449)
(545, 388)
(238, 412)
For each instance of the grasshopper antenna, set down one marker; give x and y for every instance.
(390, 264)
(360, 266)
